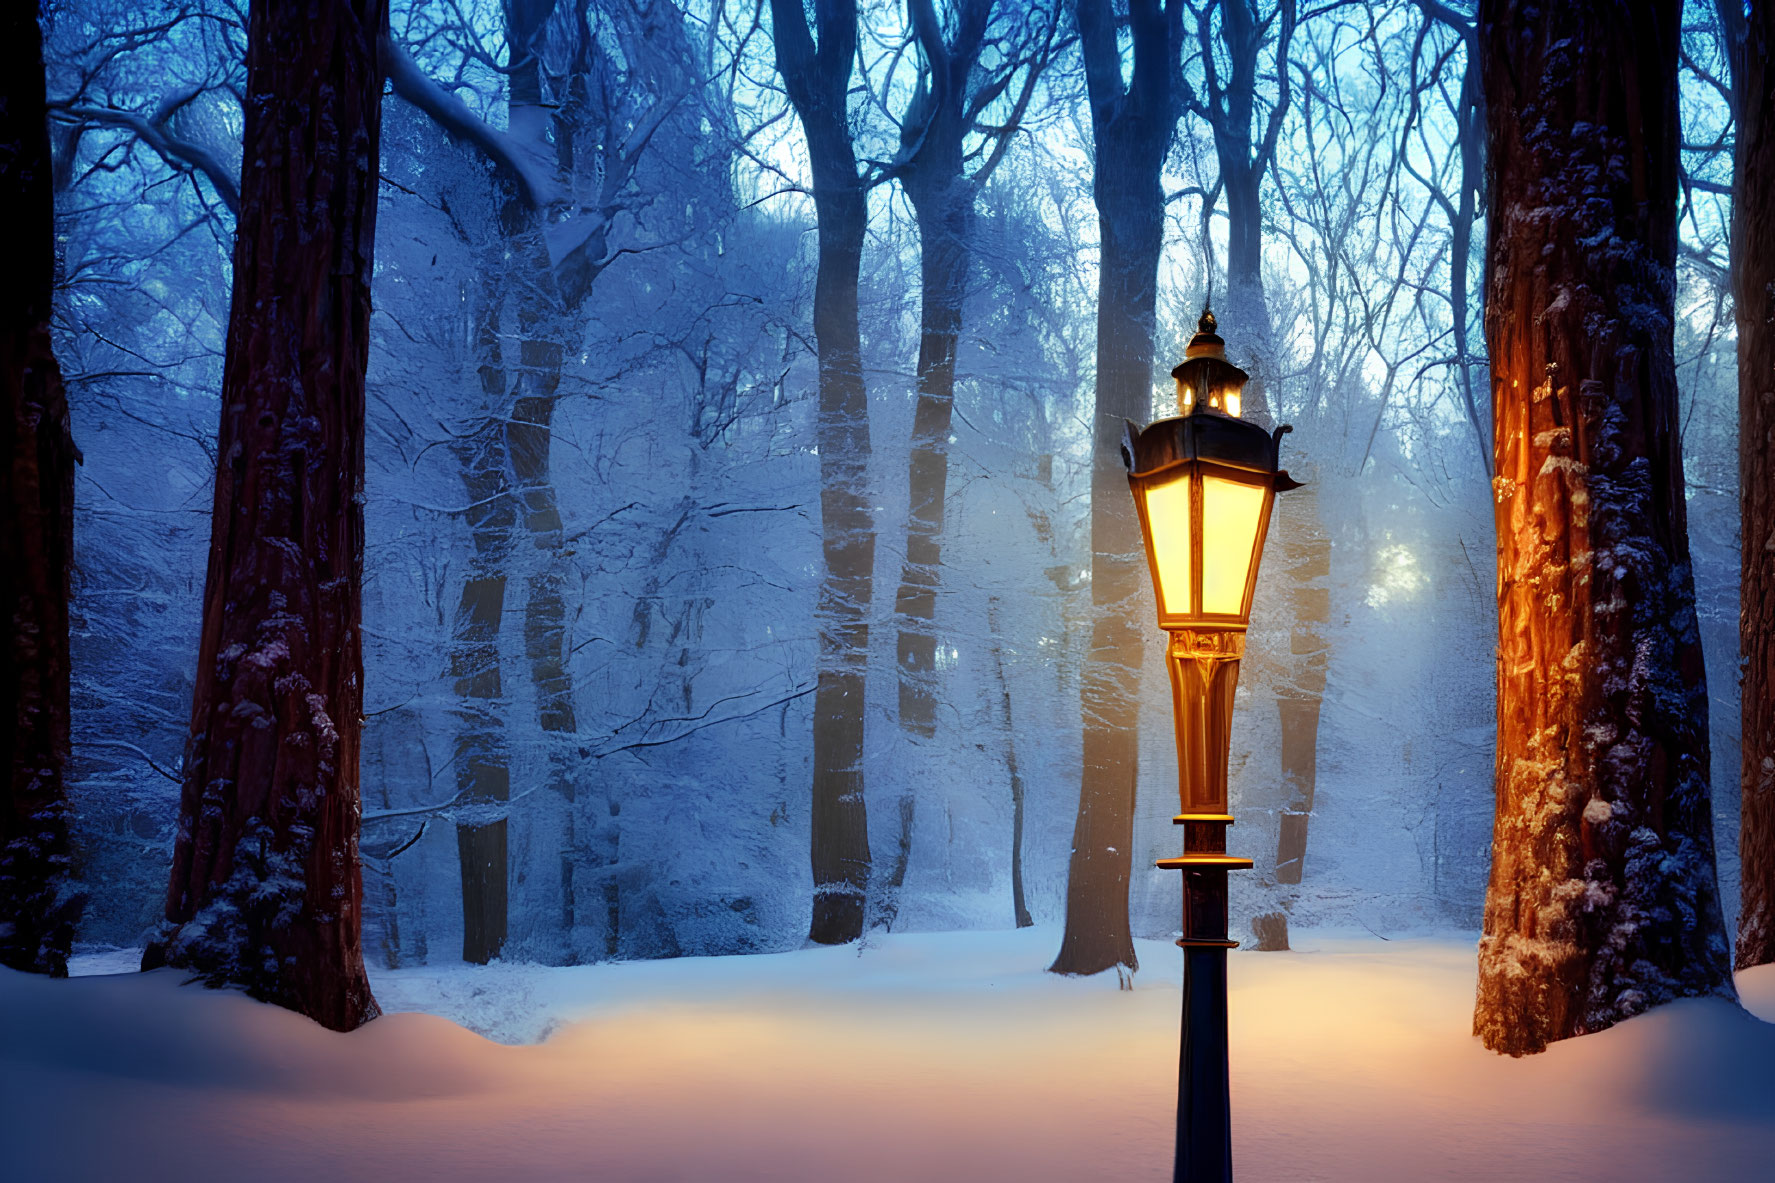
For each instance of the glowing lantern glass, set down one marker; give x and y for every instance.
(1203, 483)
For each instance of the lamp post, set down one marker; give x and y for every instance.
(1203, 485)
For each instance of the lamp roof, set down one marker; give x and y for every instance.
(1218, 438)
(1204, 360)
(1207, 342)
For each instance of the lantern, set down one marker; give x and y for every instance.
(1203, 485)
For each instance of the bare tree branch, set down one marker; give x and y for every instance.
(535, 187)
(181, 155)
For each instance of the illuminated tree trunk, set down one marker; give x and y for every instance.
(1132, 125)
(265, 890)
(1753, 270)
(37, 909)
(818, 82)
(1602, 901)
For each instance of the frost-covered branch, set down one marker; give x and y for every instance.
(454, 808)
(181, 155)
(413, 84)
(799, 692)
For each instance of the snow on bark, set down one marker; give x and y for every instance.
(265, 891)
(1602, 901)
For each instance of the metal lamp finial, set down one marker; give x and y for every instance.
(1207, 341)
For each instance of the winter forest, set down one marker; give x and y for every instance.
(520, 509)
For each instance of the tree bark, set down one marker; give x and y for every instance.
(511, 468)
(1132, 125)
(38, 908)
(818, 82)
(1753, 274)
(1602, 901)
(1306, 556)
(483, 776)
(943, 206)
(1244, 150)
(942, 197)
(947, 105)
(511, 475)
(543, 325)
(266, 890)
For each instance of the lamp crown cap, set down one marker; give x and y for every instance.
(1207, 341)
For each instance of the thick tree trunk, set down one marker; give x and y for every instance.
(1602, 901)
(529, 440)
(510, 484)
(1306, 553)
(266, 890)
(545, 603)
(1132, 130)
(943, 205)
(942, 202)
(930, 168)
(1753, 268)
(37, 907)
(1244, 150)
(840, 844)
(818, 82)
(483, 776)
(530, 432)
(942, 196)
(495, 496)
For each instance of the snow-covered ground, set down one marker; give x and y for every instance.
(920, 1057)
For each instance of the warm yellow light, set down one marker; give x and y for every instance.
(1167, 516)
(1232, 403)
(1232, 512)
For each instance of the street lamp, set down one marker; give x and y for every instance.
(1203, 485)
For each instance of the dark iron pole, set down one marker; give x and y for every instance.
(1204, 1111)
